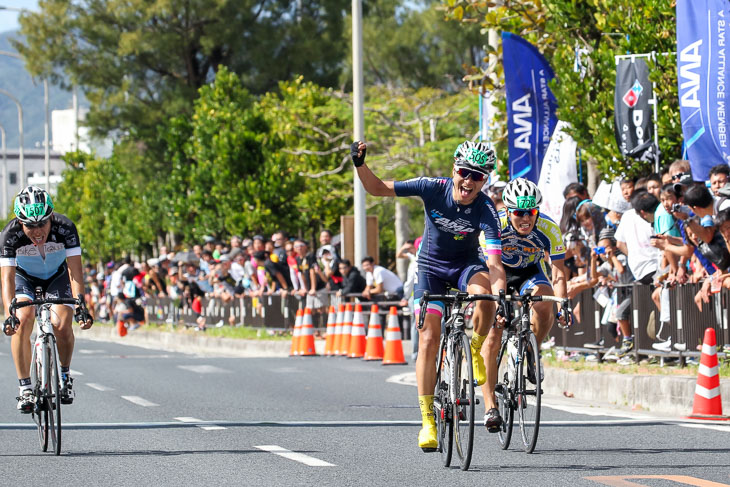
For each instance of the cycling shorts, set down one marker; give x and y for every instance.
(521, 279)
(438, 281)
(56, 286)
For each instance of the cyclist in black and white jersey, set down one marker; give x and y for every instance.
(40, 248)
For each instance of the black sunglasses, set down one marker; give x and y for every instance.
(466, 173)
(34, 225)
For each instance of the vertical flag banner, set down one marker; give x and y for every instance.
(559, 169)
(702, 75)
(531, 106)
(633, 124)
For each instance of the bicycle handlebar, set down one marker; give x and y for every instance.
(16, 305)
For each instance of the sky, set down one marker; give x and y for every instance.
(9, 18)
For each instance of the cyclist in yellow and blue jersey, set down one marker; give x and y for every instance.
(527, 237)
(456, 212)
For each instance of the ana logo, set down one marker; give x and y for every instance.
(631, 98)
(521, 115)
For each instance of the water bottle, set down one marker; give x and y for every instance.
(511, 359)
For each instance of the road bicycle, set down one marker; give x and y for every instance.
(45, 367)
(454, 398)
(519, 383)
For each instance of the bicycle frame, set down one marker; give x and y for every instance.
(44, 330)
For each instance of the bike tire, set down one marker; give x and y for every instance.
(505, 398)
(463, 385)
(444, 425)
(529, 395)
(54, 396)
(40, 412)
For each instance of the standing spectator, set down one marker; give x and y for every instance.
(353, 282)
(633, 238)
(279, 239)
(574, 190)
(719, 176)
(409, 250)
(314, 286)
(331, 272)
(654, 184)
(627, 188)
(380, 280)
(291, 260)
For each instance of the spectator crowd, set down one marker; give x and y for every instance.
(662, 230)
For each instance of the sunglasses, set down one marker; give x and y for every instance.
(679, 176)
(521, 213)
(466, 173)
(34, 225)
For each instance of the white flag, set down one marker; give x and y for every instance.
(558, 171)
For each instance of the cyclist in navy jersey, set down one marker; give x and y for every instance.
(40, 248)
(456, 211)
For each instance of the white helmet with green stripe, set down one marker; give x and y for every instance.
(521, 194)
(477, 156)
(33, 205)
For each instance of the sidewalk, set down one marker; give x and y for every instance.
(673, 395)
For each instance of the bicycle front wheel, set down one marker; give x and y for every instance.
(54, 395)
(442, 406)
(529, 390)
(40, 412)
(504, 392)
(465, 401)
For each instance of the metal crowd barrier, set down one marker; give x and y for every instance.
(686, 326)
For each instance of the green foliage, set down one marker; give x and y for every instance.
(603, 29)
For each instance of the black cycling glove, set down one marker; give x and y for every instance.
(10, 322)
(358, 160)
(81, 314)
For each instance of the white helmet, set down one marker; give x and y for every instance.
(521, 194)
(477, 156)
(33, 205)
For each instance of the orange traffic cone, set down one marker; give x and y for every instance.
(374, 348)
(357, 337)
(338, 330)
(121, 328)
(329, 342)
(295, 334)
(708, 403)
(306, 336)
(393, 343)
(346, 330)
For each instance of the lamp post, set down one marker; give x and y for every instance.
(21, 161)
(360, 234)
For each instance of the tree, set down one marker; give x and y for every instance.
(601, 29)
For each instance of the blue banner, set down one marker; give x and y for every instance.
(702, 75)
(531, 106)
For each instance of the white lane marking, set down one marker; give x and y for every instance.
(90, 352)
(75, 373)
(204, 425)
(297, 457)
(204, 369)
(99, 387)
(140, 401)
(717, 427)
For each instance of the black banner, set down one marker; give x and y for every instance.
(633, 122)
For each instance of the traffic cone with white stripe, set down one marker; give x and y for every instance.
(329, 342)
(295, 334)
(346, 330)
(393, 343)
(708, 403)
(357, 336)
(306, 336)
(338, 330)
(374, 346)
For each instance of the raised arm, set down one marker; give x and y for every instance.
(372, 184)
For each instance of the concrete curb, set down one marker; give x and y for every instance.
(673, 395)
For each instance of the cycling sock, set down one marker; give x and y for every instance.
(64, 372)
(24, 384)
(477, 340)
(426, 405)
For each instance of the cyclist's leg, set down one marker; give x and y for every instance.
(62, 318)
(477, 281)
(543, 315)
(20, 342)
(428, 344)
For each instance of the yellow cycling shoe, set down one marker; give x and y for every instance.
(477, 364)
(427, 438)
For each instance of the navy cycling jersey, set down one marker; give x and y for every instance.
(18, 250)
(451, 233)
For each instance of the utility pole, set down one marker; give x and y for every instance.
(358, 131)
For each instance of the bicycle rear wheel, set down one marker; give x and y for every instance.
(528, 394)
(54, 395)
(442, 406)
(40, 412)
(463, 384)
(504, 393)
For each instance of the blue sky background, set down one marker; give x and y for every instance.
(9, 18)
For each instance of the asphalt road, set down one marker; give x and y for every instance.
(146, 417)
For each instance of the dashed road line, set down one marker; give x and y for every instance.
(140, 401)
(297, 457)
(99, 387)
(204, 369)
(75, 373)
(204, 425)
